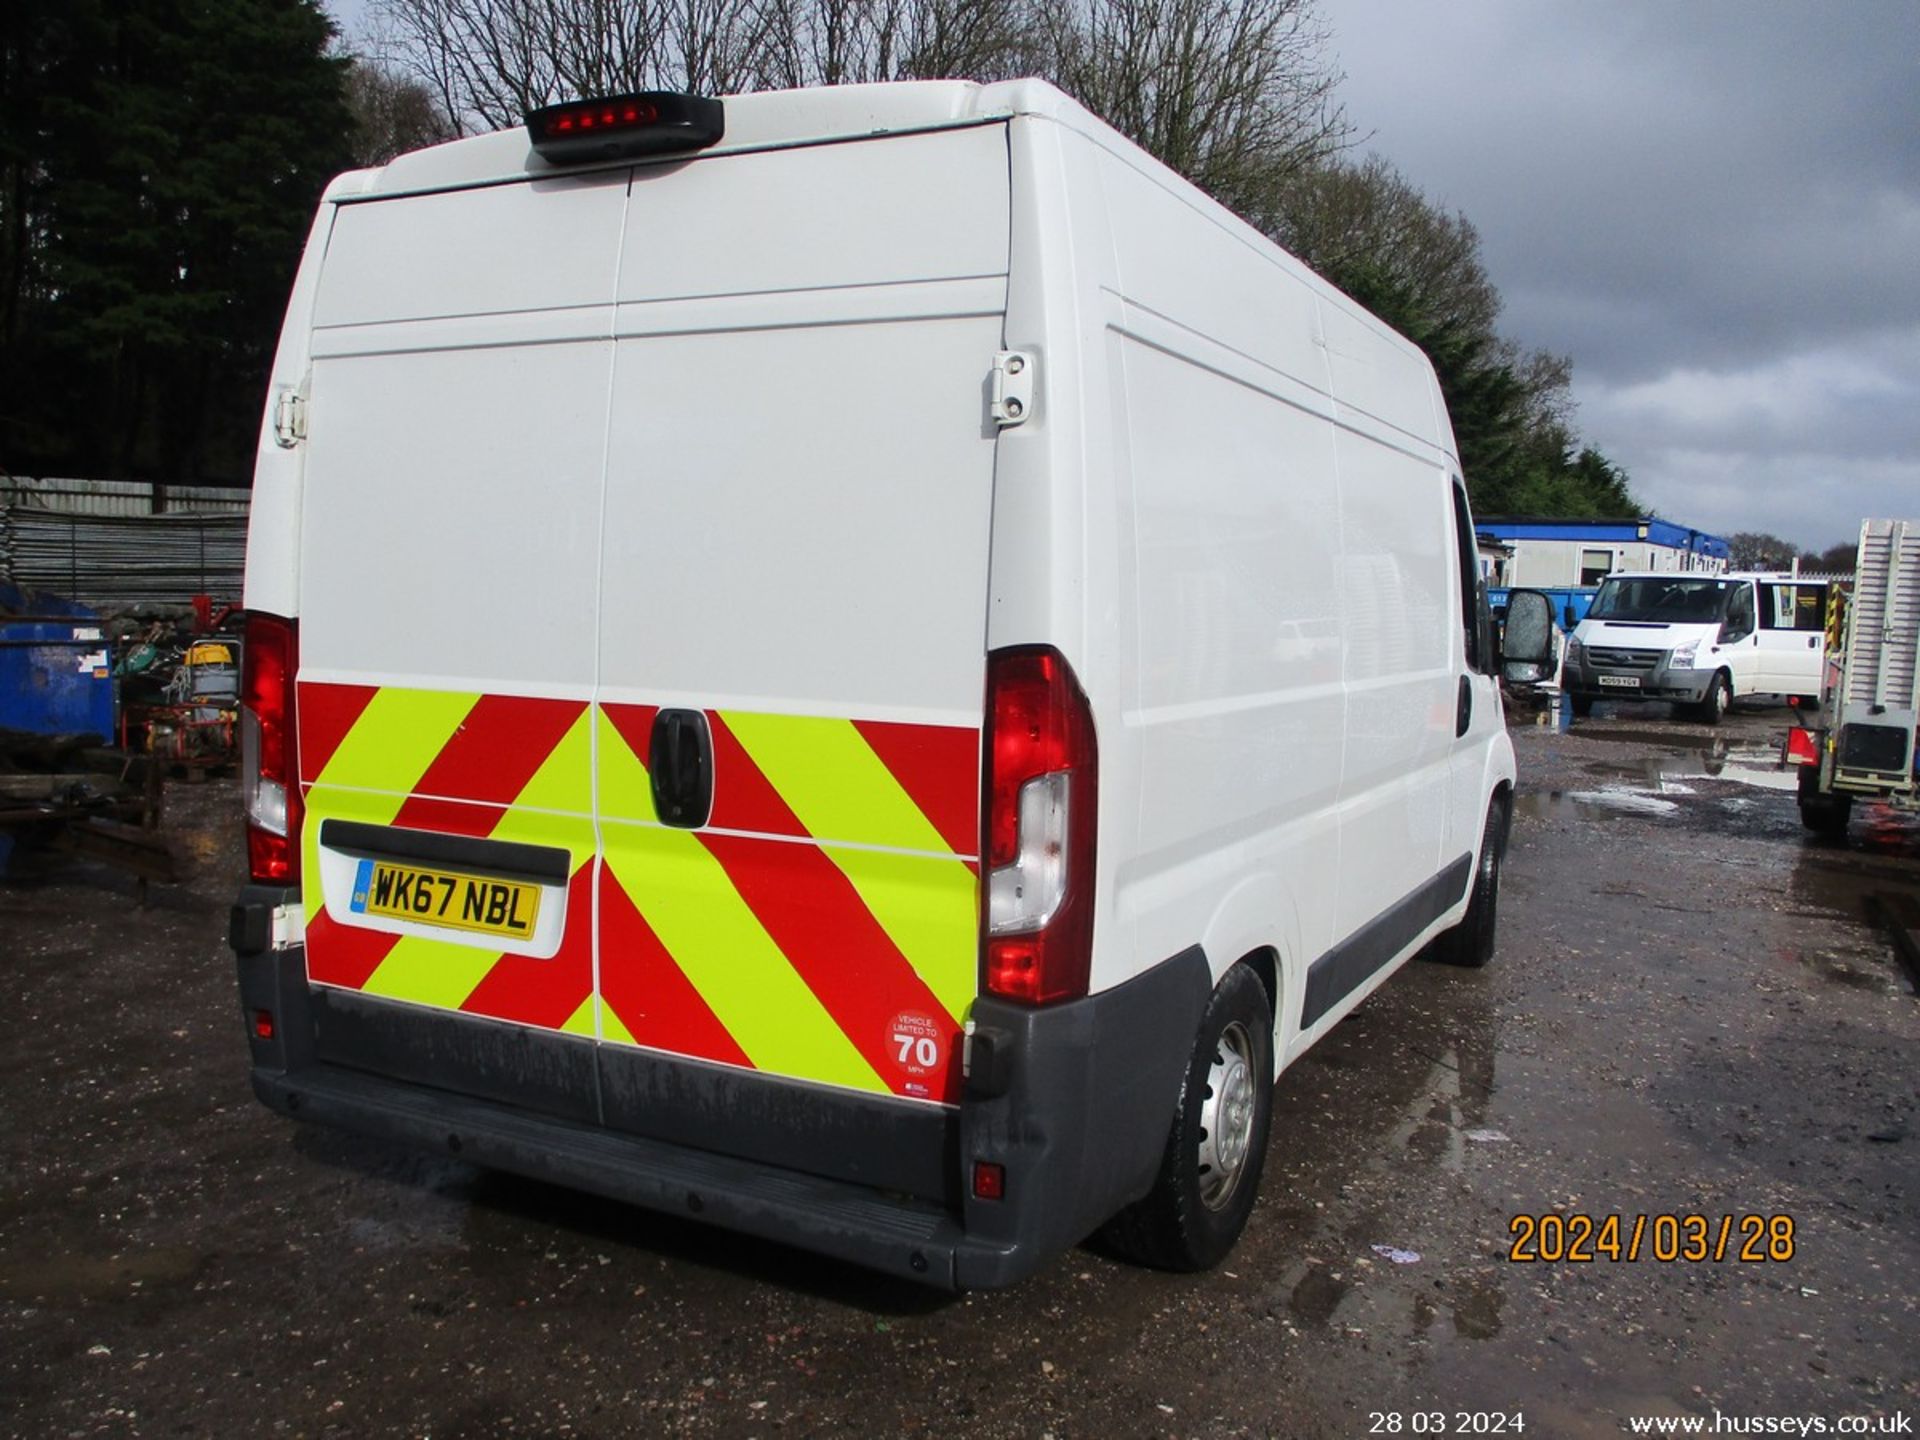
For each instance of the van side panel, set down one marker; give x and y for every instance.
(794, 544)
(1397, 581)
(1234, 696)
(1293, 689)
(1238, 695)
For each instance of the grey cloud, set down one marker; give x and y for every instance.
(1712, 207)
(1754, 171)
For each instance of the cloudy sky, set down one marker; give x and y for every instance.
(1712, 206)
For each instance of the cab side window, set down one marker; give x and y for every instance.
(1740, 617)
(1793, 606)
(1474, 616)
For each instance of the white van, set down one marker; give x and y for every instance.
(1698, 640)
(864, 664)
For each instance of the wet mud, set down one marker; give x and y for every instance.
(1691, 1012)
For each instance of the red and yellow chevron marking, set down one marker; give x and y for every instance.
(494, 766)
(823, 926)
(826, 918)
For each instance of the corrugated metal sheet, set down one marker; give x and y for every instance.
(112, 561)
(117, 497)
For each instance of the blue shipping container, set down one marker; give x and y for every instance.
(55, 674)
(1570, 603)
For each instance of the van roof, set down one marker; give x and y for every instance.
(766, 119)
(777, 119)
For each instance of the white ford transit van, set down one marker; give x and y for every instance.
(1698, 640)
(864, 664)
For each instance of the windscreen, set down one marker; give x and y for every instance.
(1668, 600)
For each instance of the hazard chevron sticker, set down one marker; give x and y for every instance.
(822, 926)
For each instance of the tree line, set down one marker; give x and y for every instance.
(1757, 550)
(160, 161)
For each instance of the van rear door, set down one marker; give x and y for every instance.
(449, 540)
(793, 595)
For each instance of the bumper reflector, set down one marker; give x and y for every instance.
(989, 1180)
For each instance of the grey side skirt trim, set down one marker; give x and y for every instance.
(1347, 966)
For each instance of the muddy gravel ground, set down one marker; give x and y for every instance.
(1689, 1015)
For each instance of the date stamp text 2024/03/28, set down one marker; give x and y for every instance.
(1579, 1238)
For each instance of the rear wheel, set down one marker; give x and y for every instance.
(1824, 815)
(1470, 943)
(1719, 699)
(1211, 1169)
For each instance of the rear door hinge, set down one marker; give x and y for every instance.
(289, 418)
(1012, 388)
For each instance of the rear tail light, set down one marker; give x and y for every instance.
(269, 788)
(1042, 789)
(1802, 747)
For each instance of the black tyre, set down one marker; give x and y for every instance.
(1211, 1169)
(1470, 943)
(1582, 706)
(1719, 700)
(1824, 815)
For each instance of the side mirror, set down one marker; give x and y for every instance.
(1526, 656)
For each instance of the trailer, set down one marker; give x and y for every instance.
(1870, 701)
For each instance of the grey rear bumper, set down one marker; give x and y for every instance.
(1074, 1100)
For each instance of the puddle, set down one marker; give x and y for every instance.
(97, 1276)
(1318, 1294)
(1749, 764)
(1849, 971)
(1648, 785)
(1580, 804)
(1476, 1312)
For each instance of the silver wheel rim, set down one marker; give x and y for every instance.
(1226, 1119)
(1722, 697)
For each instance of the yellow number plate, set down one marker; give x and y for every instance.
(441, 897)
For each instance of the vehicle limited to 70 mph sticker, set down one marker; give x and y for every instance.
(917, 1044)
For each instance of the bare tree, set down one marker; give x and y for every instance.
(846, 42)
(489, 61)
(1232, 93)
(392, 113)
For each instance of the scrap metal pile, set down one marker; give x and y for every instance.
(179, 674)
(95, 711)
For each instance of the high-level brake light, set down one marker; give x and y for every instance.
(624, 127)
(269, 788)
(1037, 823)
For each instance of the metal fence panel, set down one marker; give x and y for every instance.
(113, 561)
(118, 497)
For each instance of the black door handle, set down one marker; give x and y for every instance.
(1463, 713)
(680, 763)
